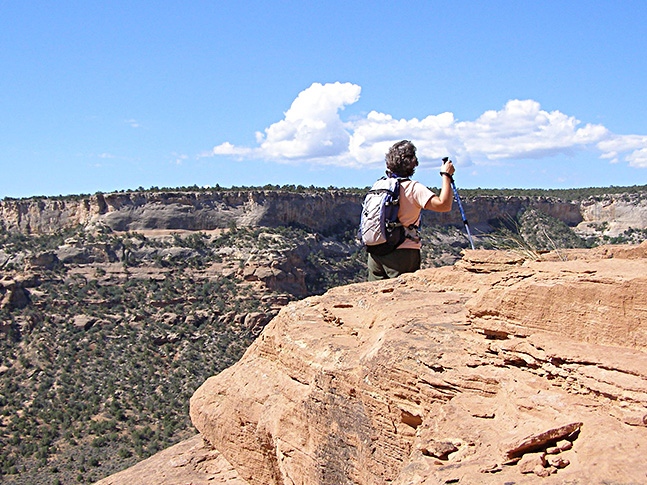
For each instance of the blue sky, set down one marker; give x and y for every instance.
(103, 96)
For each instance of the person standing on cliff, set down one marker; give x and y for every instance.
(401, 161)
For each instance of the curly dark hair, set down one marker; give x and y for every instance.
(401, 159)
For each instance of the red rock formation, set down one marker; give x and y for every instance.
(496, 370)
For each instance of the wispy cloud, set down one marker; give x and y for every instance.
(312, 131)
(178, 158)
(133, 123)
(106, 155)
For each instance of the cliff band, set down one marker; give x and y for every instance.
(319, 211)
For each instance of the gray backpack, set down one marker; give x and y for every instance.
(380, 231)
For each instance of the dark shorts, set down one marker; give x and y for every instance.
(393, 264)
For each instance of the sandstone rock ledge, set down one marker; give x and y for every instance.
(496, 370)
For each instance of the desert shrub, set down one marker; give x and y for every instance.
(545, 233)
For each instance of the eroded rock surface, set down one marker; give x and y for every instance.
(497, 370)
(190, 462)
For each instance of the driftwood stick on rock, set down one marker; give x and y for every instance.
(542, 440)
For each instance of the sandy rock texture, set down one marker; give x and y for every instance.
(190, 462)
(496, 370)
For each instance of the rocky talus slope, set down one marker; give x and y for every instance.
(496, 370)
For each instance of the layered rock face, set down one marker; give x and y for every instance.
(496, 370)
(319, 211)
(618, 213)
(196, 211)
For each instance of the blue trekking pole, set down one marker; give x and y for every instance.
(460, 206)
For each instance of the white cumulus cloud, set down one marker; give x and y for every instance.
(638, 158)
(523, 130)
(312, 131)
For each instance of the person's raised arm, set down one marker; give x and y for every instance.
(443, 203)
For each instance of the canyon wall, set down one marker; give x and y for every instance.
(319, 211)
(198, 211)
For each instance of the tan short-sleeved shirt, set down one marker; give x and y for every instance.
(413, 198)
